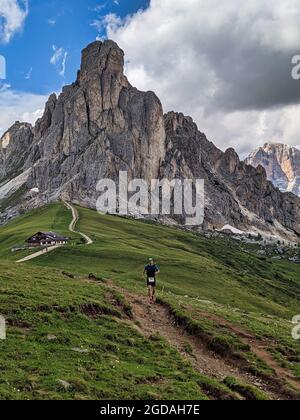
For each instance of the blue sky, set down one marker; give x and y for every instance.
(61, 27)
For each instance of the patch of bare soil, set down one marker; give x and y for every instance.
(156, 319)
(258, 347)
(22, 325)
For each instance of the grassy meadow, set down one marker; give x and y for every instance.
(71, 338)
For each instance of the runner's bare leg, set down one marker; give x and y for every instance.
(149, 294)
(152, 291)
(153, 294)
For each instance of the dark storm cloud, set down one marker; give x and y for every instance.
(225, 63)
(254, 79)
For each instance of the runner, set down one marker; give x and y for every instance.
(152, 270)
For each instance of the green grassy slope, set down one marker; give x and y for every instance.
(54, 217)
(115, 359)
(198, 276)
(191, 265)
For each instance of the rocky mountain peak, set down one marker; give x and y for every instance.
(44, 123)
(15, 128)
(100, 125)
(13, 136)
(15, 146)
(177, 123)
(282, 165)
(101, 74)
(99, 56)
(230, 161)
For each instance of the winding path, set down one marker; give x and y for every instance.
(150, 320)
(72, 228)
(39, 253)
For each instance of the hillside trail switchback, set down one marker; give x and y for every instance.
(72, 228)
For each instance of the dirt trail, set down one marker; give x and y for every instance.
(38, 254)
(156, 319)
(72, 226)
(259, 347)
(153, 319)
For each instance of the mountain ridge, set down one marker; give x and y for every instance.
(282, 165)
(100, 125)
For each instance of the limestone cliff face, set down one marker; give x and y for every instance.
(236, 193)
(282, 165)
(15, 146)
(96, 127)
(101, 125)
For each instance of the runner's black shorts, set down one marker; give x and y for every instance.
(151, 282)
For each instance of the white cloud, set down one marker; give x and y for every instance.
(52, 21)
(63, 64)
(59, 59)
(12, 17)
(19, 106)
(225, 64)
(247, 130)
(111, 20)
(29, 74)
(98, 8)
(58, 52)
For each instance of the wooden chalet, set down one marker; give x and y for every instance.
(47, 239)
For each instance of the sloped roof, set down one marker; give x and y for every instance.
(52, 235)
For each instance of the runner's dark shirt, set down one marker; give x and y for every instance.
(151, 271)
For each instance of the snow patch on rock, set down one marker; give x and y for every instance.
(14, 184)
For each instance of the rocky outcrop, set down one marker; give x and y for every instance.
(96, 127)
(101, 125)
(236, 193)
(15, 147)
(282, 165)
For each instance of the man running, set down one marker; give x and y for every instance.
(152, 270)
